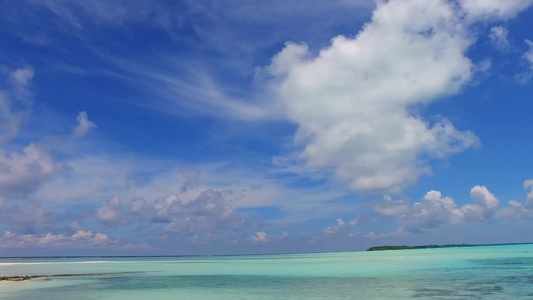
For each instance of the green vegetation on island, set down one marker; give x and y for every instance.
(16, 278)
(28, 277)
(382, 248)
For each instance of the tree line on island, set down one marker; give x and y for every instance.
(382, 248)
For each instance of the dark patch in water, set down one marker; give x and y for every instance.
(522, 261)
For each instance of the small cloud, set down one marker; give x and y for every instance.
(341, 226)
(528, 184)
(354, 222)
(498, 38)
(192, 178)
(15, 103)
(109, 211)
(23, 173)
(84, 125)
(396, 233)
(28, 217)
(476, 10)
(78, 239)
(354, 234)
(205, 217)
(75, 226)
(390, 207)
(137, 206)
(100, 238)
(524, 77)
(21, 77)
(519, 210)
(260, 237)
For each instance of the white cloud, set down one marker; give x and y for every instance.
(50, 238)
(529, 54)
(28, 217)
(207, 214)
(493, 9)
(87, 179)
(20, 79)
(84, 125)
(390, 207)
(109, 211)
(354, 222)
(352, 101)
(435, 211)
(192, 178)
(528, 184)
(335, 228)
(520, 210)
(397, 233)
(23, 173)
(15, 104)
(340, 227)
(137, 206)
(432, 212)
(483, 197)
(98, 238)
(79, 239)
(528, 57)
(260, 237)
(498, 37)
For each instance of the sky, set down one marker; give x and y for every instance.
(202, 127)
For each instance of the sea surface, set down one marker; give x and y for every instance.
(487, 272)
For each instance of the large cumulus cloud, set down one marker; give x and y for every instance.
(354, 101)
(435, 211)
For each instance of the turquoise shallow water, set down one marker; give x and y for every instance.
(492, 272)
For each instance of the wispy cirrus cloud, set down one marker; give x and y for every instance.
(528, 59)
(198, 84)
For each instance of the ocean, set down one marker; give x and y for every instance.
(485, 272)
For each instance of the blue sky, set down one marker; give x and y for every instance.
(216, 127)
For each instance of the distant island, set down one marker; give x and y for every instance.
(383, 248)
(28, 277)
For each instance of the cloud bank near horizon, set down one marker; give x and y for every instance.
(349, 120)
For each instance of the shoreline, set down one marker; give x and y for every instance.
(221, 255)
(20, 278)
(16, 278)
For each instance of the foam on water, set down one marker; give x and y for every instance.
(495, 272)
